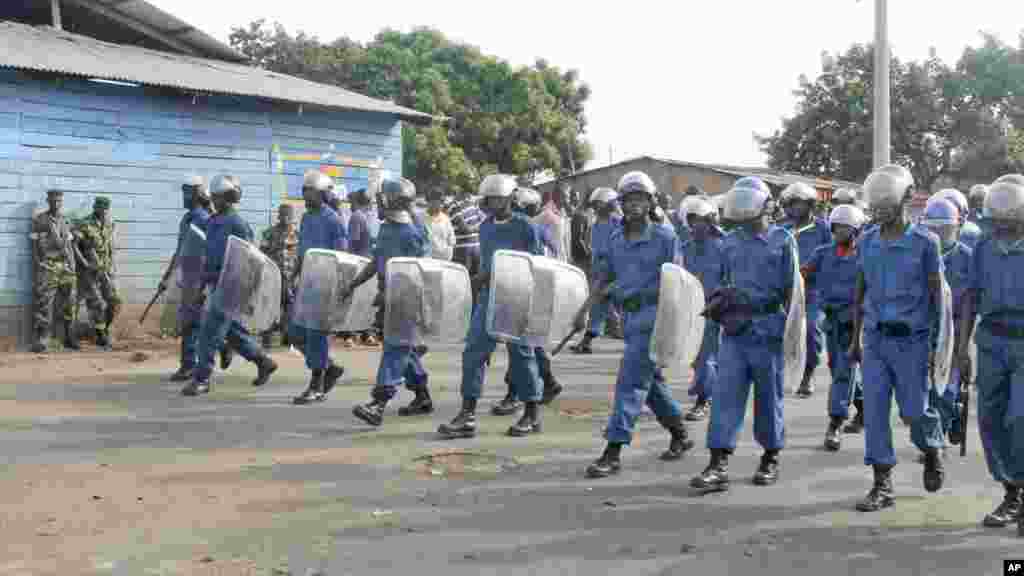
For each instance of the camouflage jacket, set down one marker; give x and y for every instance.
(52, 242)
(280, 244)
(96, 242)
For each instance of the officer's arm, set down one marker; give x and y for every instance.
(968, 308)
(792, 259)
(858, 307)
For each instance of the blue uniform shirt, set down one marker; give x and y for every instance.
(997, 283)
(957, 264)
(704, 260)
(835, 278)
(896, 277)
(517, 233)
(397, 240)
(198, 216)
(808, 239)
(970, 233)
(761, 266)
(363, 229)
(321, 230)
(220, 227)
(635, 268)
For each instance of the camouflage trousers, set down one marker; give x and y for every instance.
(101, 298)
(53, 294)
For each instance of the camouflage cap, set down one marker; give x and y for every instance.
(101, 202)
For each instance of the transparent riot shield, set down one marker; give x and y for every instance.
(533, 299)
(249, 288)
(794, 339)
(943, 357)
(427, 301)
(190, 264)
(317, 306)
(678, 327)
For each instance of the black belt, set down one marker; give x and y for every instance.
(894, 329)
(1004, 330)
(637, 303)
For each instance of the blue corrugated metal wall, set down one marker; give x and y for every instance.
(136, 145)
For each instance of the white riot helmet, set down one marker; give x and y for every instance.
(637, 181)
(798, 191)
(526, 198)
(498, 186)
(195, 185)
(978, 192)
(844, 196)
(603, 195)
(228, 187)
(698, 206)
(849, 215)
(956, 198)
(746, 199)
(314, 180)
(1015, 178)
(943, 218)
(888, 186)
(1005, 200)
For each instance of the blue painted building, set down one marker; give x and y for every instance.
(131, 117)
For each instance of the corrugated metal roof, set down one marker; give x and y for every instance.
(149, 19)
(46, 49)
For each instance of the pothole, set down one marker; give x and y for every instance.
(463, 463)
(586, 408)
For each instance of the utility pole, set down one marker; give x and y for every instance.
(55, 12)
(881, 105)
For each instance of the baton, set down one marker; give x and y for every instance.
(564, 342)
(965, 403)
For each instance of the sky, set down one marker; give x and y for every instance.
(690, 81)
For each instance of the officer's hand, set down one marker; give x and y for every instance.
(855, 353)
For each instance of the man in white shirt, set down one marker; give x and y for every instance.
(442, 233)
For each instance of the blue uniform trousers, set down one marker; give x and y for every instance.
(314, 346)
(947, 404)
(815, 333)
(846, 378)
(897, 365)
(705, 374)
(638, 382)
(188, 326)
(475, 357)
(398, 365)
(744, 359)
(216, 327)
(599, 316)
(1001, 405)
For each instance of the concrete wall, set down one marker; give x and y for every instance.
(135, 144)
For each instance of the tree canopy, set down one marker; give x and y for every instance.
(961, 123)
(518, 120)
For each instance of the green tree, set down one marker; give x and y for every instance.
(947, 122)
(520, 120)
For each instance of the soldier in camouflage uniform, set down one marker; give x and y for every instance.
(95, 236)
(53, 255)
(279, 242)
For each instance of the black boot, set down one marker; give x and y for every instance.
(551, 390)
(331, 376)
(313, 393)
(529, 423)
(607, 464)
(715, 477)
(680, 442)
(371, 413)
(934, 471)
(102, 340)
(40, 345)
(421, 404)
(463, 425)
(508, 405)
(71, 339)
(700, 410)
(1008, 509)
(880, 496)
(806, 389)
(832, 438)
(182, 375)
(856, 425)
(227, 355)
(267, 340)
(196, 388)
(1020, 523)
(265, 366)
(583, 346)
(768, 470)
(956, 430)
